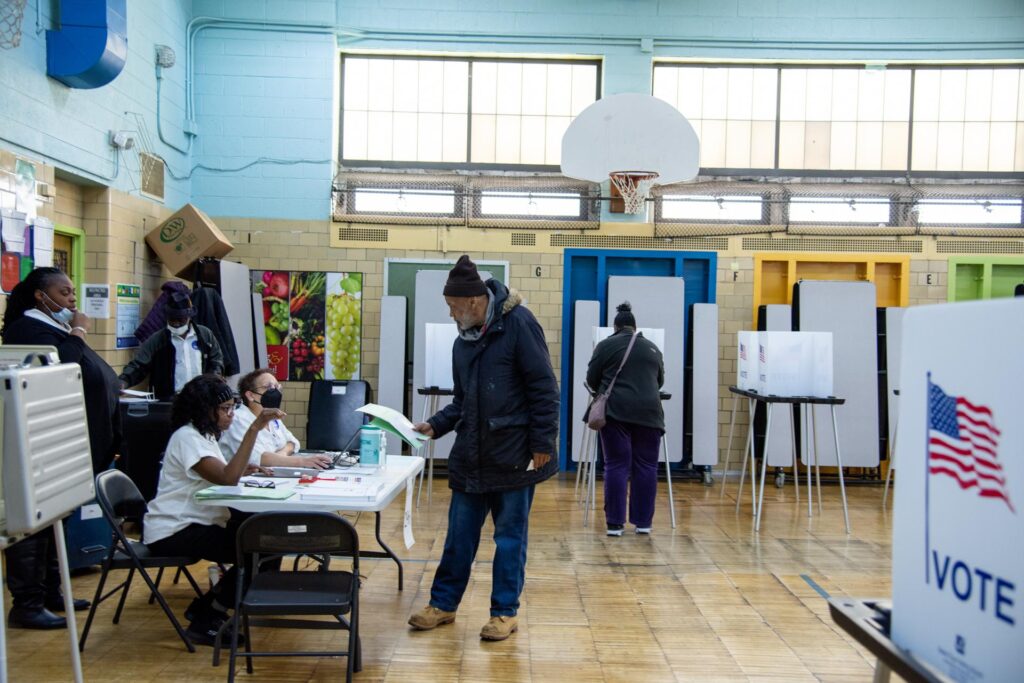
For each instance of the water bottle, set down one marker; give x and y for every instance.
(371, 446)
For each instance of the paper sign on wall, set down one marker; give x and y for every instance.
(129, 299)
(96, 301)
(958, 531)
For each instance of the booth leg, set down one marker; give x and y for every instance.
(747, 454)
(882, 672)
(668, 479)
(764, 470)
(69, 599)
(892, 464)
(796, 458)
(839, 461)
(808, 450)
(728, 444)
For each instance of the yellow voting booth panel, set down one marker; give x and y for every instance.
(775, 274)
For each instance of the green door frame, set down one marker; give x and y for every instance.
(77, 236)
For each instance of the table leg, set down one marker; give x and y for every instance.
(728, 445)
(423, 472)
(764, 469)
(882, 672)
(387, 551)
(839, 461)
(434, 400)
(668, 478)
(69, 599)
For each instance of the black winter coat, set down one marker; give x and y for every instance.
(210, 312)
(99, 383)
(505, 407)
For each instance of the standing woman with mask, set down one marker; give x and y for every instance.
(41, 311)
(275, 444)
(176, 354)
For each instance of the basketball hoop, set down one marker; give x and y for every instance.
(11, 14)
(635, 187)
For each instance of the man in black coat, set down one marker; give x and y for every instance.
(505, 413)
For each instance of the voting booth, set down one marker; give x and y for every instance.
(958, 532)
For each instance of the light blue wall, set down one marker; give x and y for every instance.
(269, 94)
(43, 119)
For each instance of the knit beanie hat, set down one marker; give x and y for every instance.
(178, 306)
(464, 280)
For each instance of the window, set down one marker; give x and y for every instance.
(959, 119)
(403, 200)
(460, 111)
(726, 209)
(868, 210)
(732, 110)
(969, 211)
(531, 204)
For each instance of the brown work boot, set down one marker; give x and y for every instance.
(499, 628)
(430, 617)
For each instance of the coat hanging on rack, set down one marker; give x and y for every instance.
(210, 312)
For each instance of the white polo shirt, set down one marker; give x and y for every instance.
(188, 359)
(271, 438)
(174, 507)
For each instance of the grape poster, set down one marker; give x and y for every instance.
(312, 321)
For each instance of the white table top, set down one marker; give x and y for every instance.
(400, 469)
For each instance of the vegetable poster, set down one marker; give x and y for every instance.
(313, 323)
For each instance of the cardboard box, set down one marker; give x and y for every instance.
(184, 238)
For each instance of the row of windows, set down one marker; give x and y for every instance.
(508, 113)
(701, 209)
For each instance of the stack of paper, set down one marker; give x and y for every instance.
(236, 492)
(342, 489)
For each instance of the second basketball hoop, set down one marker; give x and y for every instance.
(631, 131)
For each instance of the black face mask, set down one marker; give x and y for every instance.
(271, 398)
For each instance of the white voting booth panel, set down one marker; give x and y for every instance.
(704, 403)
(656, 335)
(391, 384)
(893, 341)
(746, 360)
(236, 293)
(779, 318)
(659, 300)
(430, 308)
(440, 340)
(587, 316)
(847, 310)
(957, 566)
(794, 364)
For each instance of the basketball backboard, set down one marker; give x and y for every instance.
(630, 132)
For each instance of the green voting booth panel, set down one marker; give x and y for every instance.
(983, 277)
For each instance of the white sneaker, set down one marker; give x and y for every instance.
(643, 530)
(615, 529)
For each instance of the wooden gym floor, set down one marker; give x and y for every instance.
(708, 601)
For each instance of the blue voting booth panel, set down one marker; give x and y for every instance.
(585, 277)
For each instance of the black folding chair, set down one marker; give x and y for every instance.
(119, 498)
(269, 535)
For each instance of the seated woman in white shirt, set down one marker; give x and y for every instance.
(175, 523)
(275, 444)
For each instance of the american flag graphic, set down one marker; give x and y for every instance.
(963, 443)
(760, 353)
(743, 351)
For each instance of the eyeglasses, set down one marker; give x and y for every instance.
(259, 484)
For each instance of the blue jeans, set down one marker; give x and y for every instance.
(510, 511)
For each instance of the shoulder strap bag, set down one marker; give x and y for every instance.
(596, 412)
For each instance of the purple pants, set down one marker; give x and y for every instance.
(630, 453)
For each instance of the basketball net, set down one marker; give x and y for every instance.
(635, 187)
(11, 14)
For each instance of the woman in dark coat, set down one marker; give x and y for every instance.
(631, 439)
(41, 312)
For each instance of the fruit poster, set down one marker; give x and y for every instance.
(313, 323)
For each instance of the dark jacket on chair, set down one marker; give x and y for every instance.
(636, 396)
(505, 406)
(156, 358)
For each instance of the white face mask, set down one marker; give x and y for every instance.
(62, 315)
(178, 331)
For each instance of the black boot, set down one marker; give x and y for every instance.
(26, 579)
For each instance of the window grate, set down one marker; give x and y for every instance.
(796, 244)
(978, 247)
(363, 234)
(524, 239)
(631, 242)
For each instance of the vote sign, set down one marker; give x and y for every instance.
(958, 532)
